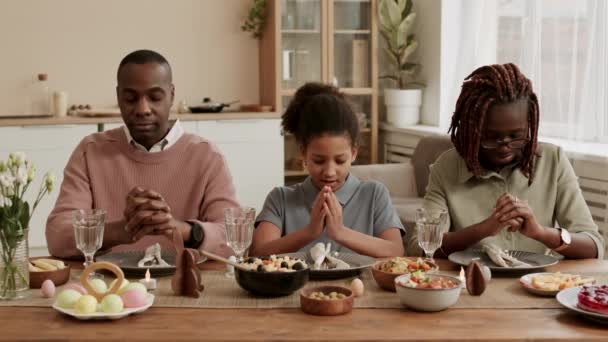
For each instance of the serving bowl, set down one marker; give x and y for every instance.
(323, 307)
(271, 284)
(58, 277)
(386, 280)
(427, 299)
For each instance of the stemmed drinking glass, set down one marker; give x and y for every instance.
(88, 233)
(239, 230)
(430, 224)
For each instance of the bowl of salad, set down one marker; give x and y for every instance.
(385, 271)
(427, 292)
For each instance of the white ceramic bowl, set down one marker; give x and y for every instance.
(427, 299)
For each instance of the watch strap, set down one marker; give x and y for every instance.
(563, 244)
(197, 235)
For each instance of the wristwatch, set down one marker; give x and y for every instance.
(197, 235)
(565, 239)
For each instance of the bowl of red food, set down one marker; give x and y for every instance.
(427, 292)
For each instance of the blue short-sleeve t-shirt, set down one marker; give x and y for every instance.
(366, 208)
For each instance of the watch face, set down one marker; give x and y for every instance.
(197, 232)
(566, 238)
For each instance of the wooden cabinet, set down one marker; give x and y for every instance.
(49, 148)
(331, 41)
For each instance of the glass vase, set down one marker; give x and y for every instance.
(14, 273)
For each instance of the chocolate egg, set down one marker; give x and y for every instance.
(357, 287)
(133, 298)
(475, 279)
(47, 288)
(77, 287)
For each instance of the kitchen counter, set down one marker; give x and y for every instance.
(76, 120)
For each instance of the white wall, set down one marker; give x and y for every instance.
(80, 43)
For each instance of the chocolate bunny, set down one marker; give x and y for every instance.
(187, 278)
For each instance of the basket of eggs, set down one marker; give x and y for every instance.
(93, 299)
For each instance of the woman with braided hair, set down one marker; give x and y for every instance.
(499, 184)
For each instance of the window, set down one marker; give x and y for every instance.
(562, 46)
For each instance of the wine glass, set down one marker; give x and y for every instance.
(239, 230)
(430, 224)
(88, 233)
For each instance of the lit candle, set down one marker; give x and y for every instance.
(461, 277)
(149, 283)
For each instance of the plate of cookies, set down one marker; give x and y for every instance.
(550, 283)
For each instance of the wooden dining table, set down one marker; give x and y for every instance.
(196, 324)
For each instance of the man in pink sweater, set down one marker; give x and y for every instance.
(150, 176)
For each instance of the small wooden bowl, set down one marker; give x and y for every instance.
(58, 277)
(326, 307)
(386, 280)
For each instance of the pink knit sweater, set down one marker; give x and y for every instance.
(192, 176)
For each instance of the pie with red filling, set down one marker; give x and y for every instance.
(594, 298)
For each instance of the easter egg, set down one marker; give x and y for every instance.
(86, 304)
(77, 287)
(133, 286)
(125, 282)
(112, 304)
(357, 287)
(47, 288)
(98, 285)
(67, 298)
(134, 298)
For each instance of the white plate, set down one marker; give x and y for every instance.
(569, 299)
(526, 282)
(102, 315)
(357, 264)
(537, 261)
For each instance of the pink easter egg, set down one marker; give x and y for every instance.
(47, 288)
(77, 287)
(134, 298)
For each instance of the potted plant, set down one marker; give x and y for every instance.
(256, 18)
(396, 24)
(16, 176)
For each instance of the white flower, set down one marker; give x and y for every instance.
(6, 180)
(1, 201)
(49, 181)
(30, 173)
(22, 175)
(18, 158)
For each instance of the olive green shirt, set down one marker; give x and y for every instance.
(554, 197)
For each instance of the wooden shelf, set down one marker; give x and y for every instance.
(296, 173)
(300, 31)
(80, 120)
(352, 31)
(357, 91)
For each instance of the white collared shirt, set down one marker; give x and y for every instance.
(171, 138)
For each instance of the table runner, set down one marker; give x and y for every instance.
(222, 292)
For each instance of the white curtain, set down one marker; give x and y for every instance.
(561, 45)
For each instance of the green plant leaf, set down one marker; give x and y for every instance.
(408, 8)
(408, 51)
(407, 25)
(401, 4)
(383, 16)
(394, 13)
(409, 68)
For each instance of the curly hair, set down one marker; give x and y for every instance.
(488, 86)
(317, 109)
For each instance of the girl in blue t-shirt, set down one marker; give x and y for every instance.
(331, 205)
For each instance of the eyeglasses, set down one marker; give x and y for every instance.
(513, 143)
